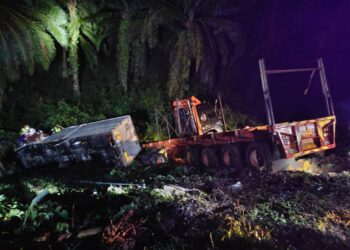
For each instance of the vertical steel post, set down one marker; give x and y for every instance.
(167, 126)
(325, 88)
(194, 125)
(157, 123)
(222, 113)
(266, 92)
(177, 116)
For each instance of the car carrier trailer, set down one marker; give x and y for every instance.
(255, 147)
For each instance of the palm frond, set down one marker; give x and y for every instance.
(53, 19)
(154, 21)
(19, 47)
(197, 44)
(44, 48)
(89, 51)
(180, 67)
(230, 29)
(28, 30)
(7, 59)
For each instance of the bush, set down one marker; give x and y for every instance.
(151, 99)
(113, 103)
(64, 114)
(151, 133)
(148, 101)
(139, 103)
(237, 120)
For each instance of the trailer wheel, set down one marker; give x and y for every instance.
(259, 157)
(209, 158)
(230, 156)
(193, 156)
(158, 159)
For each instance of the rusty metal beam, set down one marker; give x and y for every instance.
(266, 93)
(284, 71)
(325, 88)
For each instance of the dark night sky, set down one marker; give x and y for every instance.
(294, 33)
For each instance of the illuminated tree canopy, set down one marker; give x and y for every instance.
(194, 36)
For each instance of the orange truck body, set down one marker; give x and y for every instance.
(292, 139)
(288, 139)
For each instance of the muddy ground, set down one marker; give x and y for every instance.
(175, 207)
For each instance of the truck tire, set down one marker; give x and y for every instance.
(259, 157)
(209, 158)
(230, 157)
(158, 159)
(193, 155)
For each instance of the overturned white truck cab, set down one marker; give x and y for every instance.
(108, 142)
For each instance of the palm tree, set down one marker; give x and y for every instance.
(124, 18)
(74, 32)
(202, 39)
(123, 22)
(85, 33)
(28, 31)
(123, 49)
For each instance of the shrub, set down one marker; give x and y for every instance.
(237, 120)
(113, 103)
(64, 114)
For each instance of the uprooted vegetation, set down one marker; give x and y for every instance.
(171, 207)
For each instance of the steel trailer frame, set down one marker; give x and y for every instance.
(293, 139)
(267, 96)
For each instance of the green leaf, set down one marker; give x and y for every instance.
(64, 214)
(62, 227)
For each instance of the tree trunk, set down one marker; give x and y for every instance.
(76, 86)
(2, 90)
(123, 50)
(64, 64)
(2, 170)
(73, 58)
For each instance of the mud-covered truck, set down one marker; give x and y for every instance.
(106, 142)
(201, 141)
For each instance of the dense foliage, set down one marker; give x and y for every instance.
(169, 207)
(109, 58)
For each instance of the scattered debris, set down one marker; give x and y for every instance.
(43, 238)
(124, 233)
(89, 232)
(236, 187)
